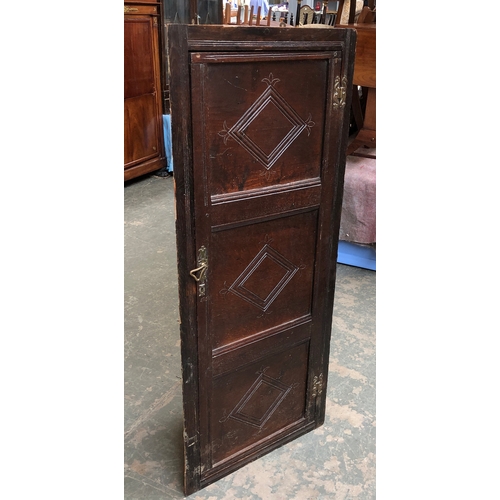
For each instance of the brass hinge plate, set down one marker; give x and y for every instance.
(339, 93)
(317, 386)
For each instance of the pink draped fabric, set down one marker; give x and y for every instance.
(358, 218)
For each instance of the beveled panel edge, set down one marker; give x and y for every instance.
(263, 214)
(261, 37)
(312, 44)
(228, 57)
(266, 445)
(217, 199)
(229, 352)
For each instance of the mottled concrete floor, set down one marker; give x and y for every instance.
(335, 461)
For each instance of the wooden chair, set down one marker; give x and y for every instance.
(248, 16)
(351, 18)
(306, 16)
(367, 15)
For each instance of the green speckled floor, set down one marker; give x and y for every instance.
(336, 461)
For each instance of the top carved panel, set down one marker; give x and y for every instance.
(270, 107)
(263, 122)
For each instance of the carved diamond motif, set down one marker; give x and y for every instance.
(270, 102)
(250, 409)
(270, 113)
(263, 298)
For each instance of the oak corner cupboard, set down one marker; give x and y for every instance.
(260, 121)
(143, 139)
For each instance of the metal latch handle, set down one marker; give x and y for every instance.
(203, 269)
(202, 263)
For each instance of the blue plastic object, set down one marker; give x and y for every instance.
(167, 135)
(356, 255)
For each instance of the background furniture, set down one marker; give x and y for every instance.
(353, 254)
(306, 15)
(358, 221)
(143, 121)
(364, 76)
(358, 204)
(353, 14)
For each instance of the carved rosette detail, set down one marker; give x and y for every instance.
(309, 124)
(271, 80)
(270, 99)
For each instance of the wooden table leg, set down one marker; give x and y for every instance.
(367, 135)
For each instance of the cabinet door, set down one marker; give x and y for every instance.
(259, 133)
(142, 106)
(141, 134)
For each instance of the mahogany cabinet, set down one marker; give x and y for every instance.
(143, 139)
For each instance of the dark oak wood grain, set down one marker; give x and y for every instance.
(259, 126)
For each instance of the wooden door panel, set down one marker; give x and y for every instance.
(261, 279)
(259, 127)
(139, 73)
(255, 402)
(264, 127)
(141, 129)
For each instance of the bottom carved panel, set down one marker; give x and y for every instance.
(257, 400)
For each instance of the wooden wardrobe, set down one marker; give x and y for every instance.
(143, 120)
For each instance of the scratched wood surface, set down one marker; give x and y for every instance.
(259, 126)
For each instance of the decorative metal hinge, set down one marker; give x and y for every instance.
(202, 264)
(317, 385)
(339, 93)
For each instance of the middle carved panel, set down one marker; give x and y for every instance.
(266, 280)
